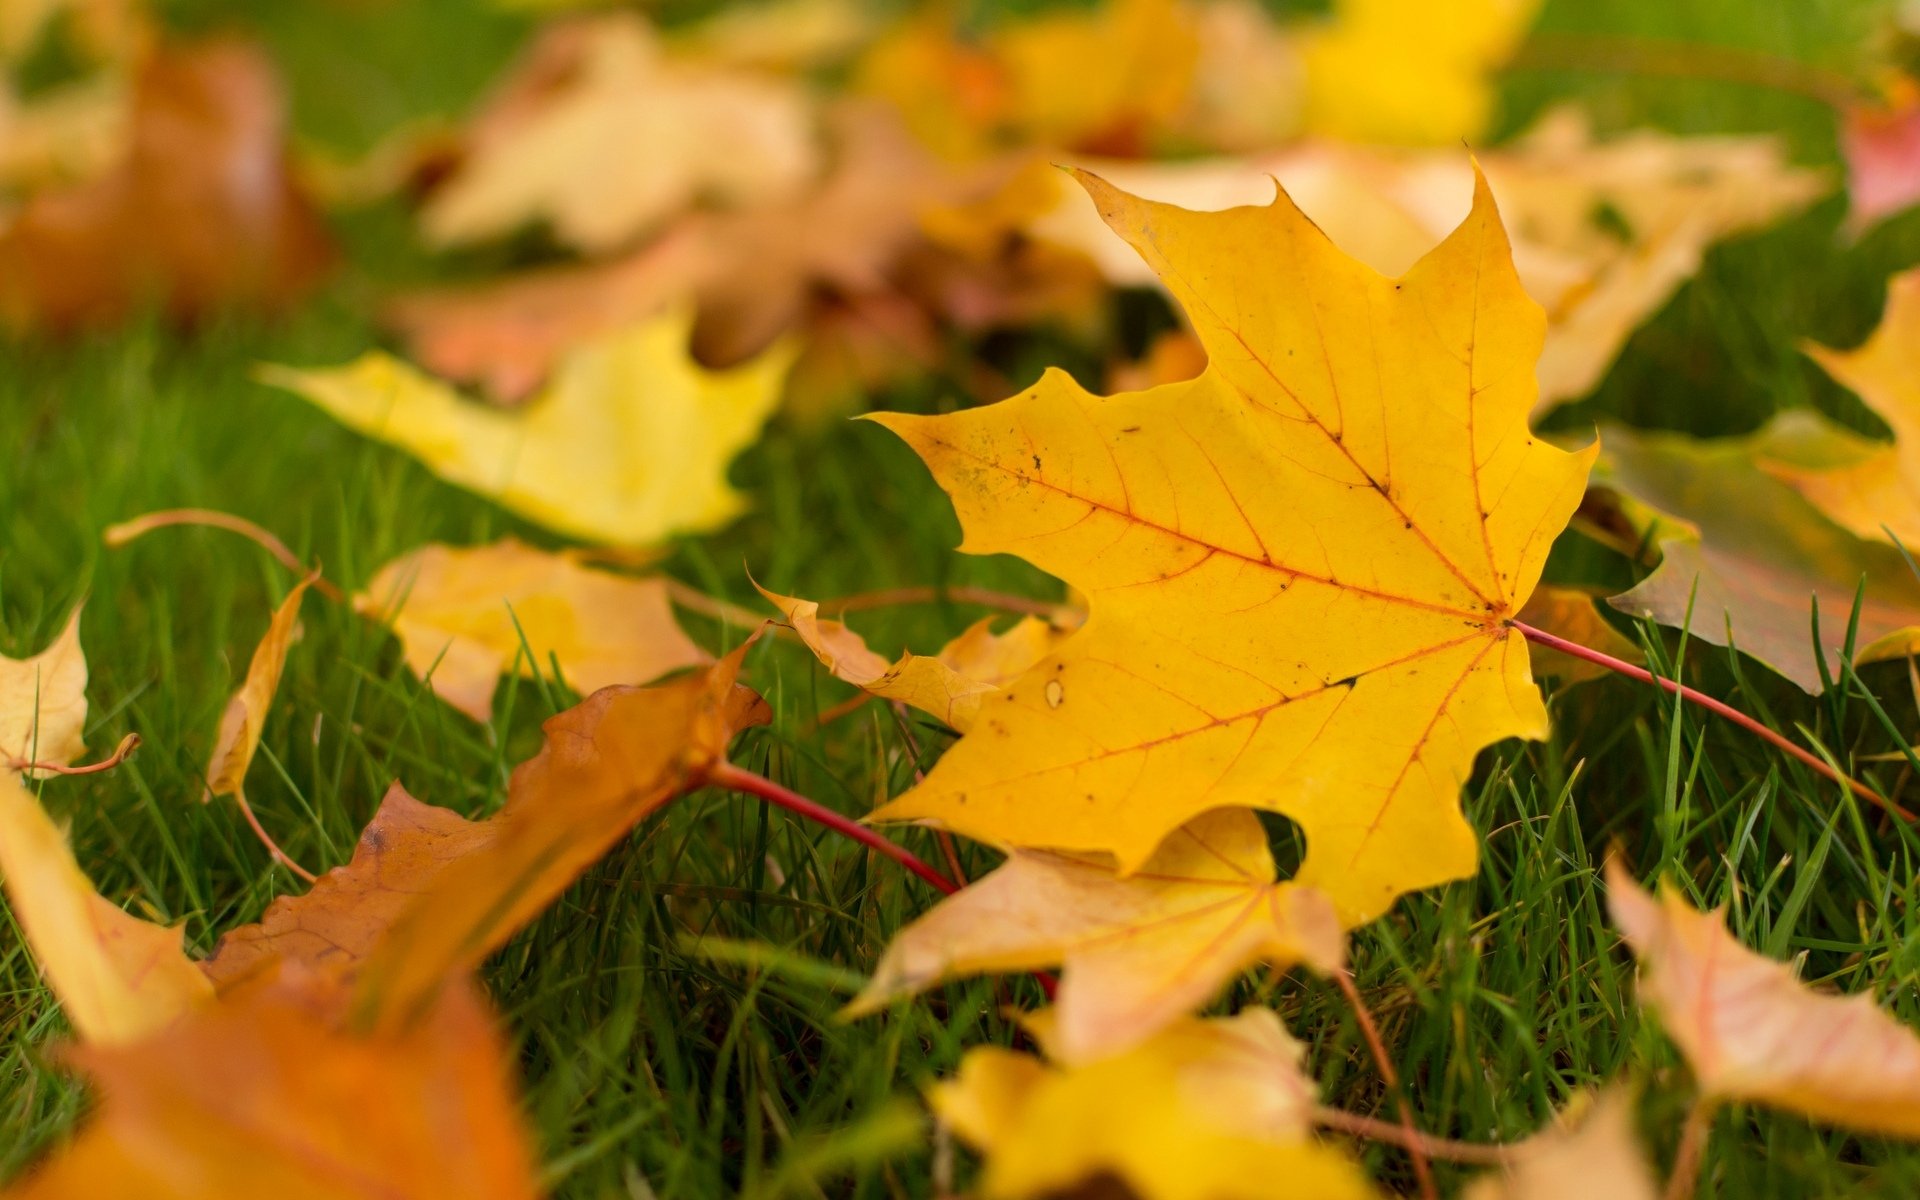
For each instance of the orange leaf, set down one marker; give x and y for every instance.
(246, 712)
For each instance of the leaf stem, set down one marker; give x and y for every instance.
(1412, 1140)
(128, 745)
(124, 532)
(727, 775)
(1693, 1149)
(266, 839)
(1721, 708)
(1478, 1153)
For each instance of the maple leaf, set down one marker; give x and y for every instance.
(258, 1095)
(1878, 494)
(556, 142)
(1753, 1032)
(118, 978)
(1571, 613)
(1674, 197)
(43, 702)
(1748, 557)
(1600, 1158)
(603, 766)
(1408, 72)
(466, 615)
(201, 213)
(628, 445)
(1206, 1110)
(1880, 144)
(245, 716)
(1300, 566)
(947, 685)
(1141, 951)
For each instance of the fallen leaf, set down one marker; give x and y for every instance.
(1406, 72)
(1101, 79)
(628, 445)
(1206, 1110)
(1604, 230)
(201, 214)
(1752, 1032)
(333, 926)
(70, 133)
(1249, 84)
(1877, 496)
(259, 1096)
(604, 765)
(1598, 1159)
(118, 978)
(1748, 556)
(465, 616)
(1573, 614)
(1880, 144)
(1140, 951)
(245, 716)
(43, 702)
(948, 685)
(556, 143)
(786, 35)
(1300, 566)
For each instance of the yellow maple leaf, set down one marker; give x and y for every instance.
(43, 702)
(1140, 951)
(465, 615)
(628, 444)
(245, 716)
(1877, 495)
(118, 978)
(1753, 1032)
(1300, 566)
(948, 684)
(1207, 1110)
(1409, 71)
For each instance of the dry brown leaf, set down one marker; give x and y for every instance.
(260, 1095)
(43, 702)
(118, 978)
(557, 142)
(1140, 951)
(604, 765)
(201, 214)
(1753, 1032)
(246, 712)
(465, 616)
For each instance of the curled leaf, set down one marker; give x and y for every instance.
(245, 716)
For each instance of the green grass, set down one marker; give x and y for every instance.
(648, 1062)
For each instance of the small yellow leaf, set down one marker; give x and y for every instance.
(628, 444)
(246, 712)
(43, 702)
(1299, 566)
(1878, 497)
(1410, 72)
(1140, 951)
(1600, 1158)
(948, 685)
(1206, 1110)
(466, 615)
(118, 978)
(1753, 1032)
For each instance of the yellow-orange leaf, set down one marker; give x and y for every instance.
(1878, 496)
(246, 711)
(1140, 952)
(947, 685)
(1753, 1032)
(258, 1096)
(118, 978)
(605, 764)
(1206, 1110)
(1300, 565)
(43, 702)
(466, 615)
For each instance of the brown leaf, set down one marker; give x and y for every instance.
(201, 214)
(258, 1095)
(605, 764)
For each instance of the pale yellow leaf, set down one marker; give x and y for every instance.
(43, 702)
(1599, 1158)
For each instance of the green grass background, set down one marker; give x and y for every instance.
(651, 1066)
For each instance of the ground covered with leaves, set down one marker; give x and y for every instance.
(480, 411)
